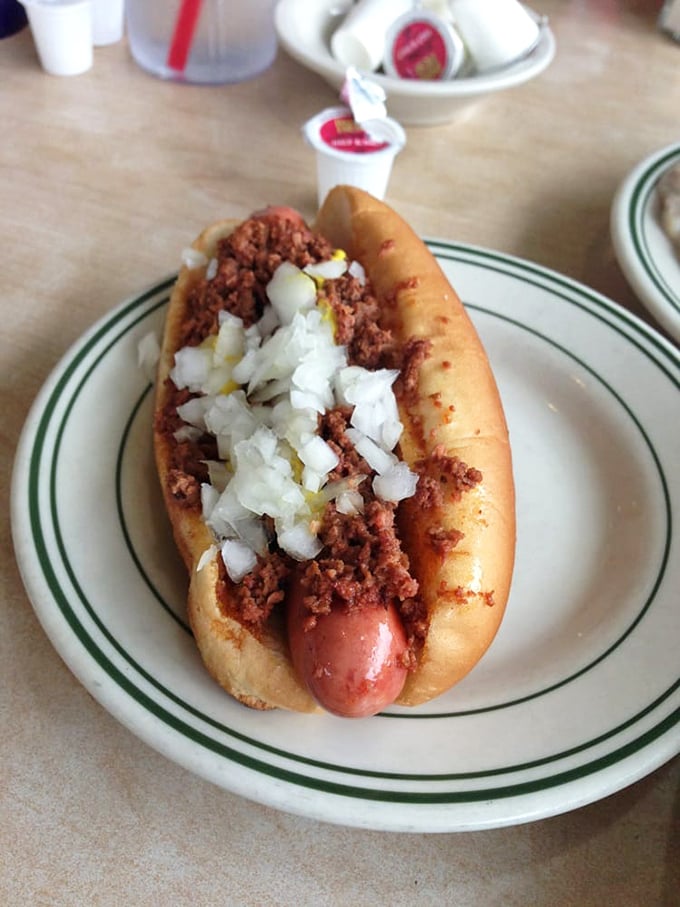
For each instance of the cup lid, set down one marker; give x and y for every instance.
(423, 46)
(334, 131)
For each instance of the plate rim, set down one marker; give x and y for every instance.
(627, 228)
(58, 373)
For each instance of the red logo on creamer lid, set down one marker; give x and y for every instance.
(419, 51)
(344, 134)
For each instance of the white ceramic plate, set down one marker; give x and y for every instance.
(644, 251)
(578, 696)
(304, 30)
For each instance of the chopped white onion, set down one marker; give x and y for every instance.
(239, 559)
(380, 421)
(319, 402)
(209, 498)
(272, 390)
(243, 371)
(194, 410)
(269, 322)
(253, 533)
(375, 412)
(259, 449)
(396, 484)
(263, 480)
(219, 474)
(312, 480)
(299, 542)
(230, 419)
(356, 384)
(350, 503)
(342, 486)
(148, 353)
(211, 270)
(253, 337)
(187, 433)
(226, 513)
(290, 291)
(318, 454)
(192, 367)
(356, 269)
(378, 459)
(296, 426)
(319, 365)
(219, 379)
(327, 270)
(260, 391)
(192, 258)
(230, 338)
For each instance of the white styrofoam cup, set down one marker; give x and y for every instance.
(360, 39)
(496, 32)
(62, 32)
(349, 154)
(108, 17)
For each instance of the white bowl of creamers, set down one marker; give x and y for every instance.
(306, 29)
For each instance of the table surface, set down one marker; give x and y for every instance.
(104, 178)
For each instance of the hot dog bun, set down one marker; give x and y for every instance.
(466, 592)
(255, 670)
(454, 408)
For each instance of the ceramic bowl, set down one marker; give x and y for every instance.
(304, 29)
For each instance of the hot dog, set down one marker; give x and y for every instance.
(347, 521)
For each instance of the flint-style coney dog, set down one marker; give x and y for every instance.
(334, 460)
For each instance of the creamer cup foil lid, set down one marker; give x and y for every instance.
(360, 127)
(336, 132)
(422, 45)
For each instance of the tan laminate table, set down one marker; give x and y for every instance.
(104, 178)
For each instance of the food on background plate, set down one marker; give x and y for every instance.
(335, 461)
(668, 190)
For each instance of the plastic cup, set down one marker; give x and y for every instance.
(62, 32)
(202, 41)
(108, 18)
(350, 154)
(496, 32)
(360, 39)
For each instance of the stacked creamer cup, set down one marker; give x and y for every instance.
(107, 21)
(65, 31)
(495, 32)
(433, 40)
